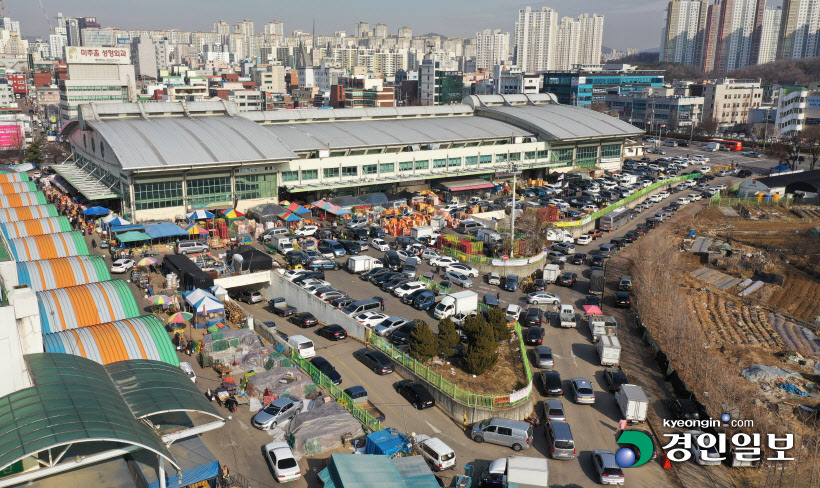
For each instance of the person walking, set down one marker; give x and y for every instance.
(93, 244)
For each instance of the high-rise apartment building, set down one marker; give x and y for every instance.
(733, 34)
(275, 28)
(800, 29)
(362, 29)
(769, 35)
(492, 48)
(579, 41)
(380, 30)
(535, 39)
(405, 32)
(683, 36)
(592, 37)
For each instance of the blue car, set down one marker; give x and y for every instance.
(511, 283)
(425, 301)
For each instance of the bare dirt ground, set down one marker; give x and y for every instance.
(507, 376)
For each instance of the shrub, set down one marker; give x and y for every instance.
(482, 351)
(423, 343)
(448, 337)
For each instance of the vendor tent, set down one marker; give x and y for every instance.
(96, 211)
(297, 209)
(115, 221)
(321, 429)
(132, 236)
(218, 291)
(347, 202)
(159, 230)
(195, 229)
(253, 259)
(200, 215)
(266, 212)
(289, 217)
(232, 214)
(781, 167)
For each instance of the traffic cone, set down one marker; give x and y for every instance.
(665, 462)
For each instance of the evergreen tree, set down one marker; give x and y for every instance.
(448, 337)
(472, 326)
(482, 351)
(498, 321)
(34, 153)
(423, 343)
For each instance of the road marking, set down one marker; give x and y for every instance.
(433, 428)
(574, 362)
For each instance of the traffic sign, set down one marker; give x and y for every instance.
(505, 257)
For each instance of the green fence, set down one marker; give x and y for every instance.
(341, 397)
(643, 191)
(720, 201)
(450, 389)
(468, 258)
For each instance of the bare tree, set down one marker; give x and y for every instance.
(786, 151)
(599, 107)
(811, 144)
(53, 153)
(708, 126)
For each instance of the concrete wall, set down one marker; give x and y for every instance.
(236, 281)
(15, 371)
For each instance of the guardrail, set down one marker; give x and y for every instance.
(451, 389)
(341, 397)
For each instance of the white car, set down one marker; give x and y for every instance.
(314, 283)
(358, 222)
(513, 311)
(723, 173)
(408, 288)
(664, 194)
(294, 273)
(370, 319)
(443, 261)
(583, 240)
(694, 197)
(705, 169)
(655, 198)
(589, 208)
(712, 456)
(122, 265)
(404, 255)
(37, 174)
(720, 186)
(691, 183)
(700, 158)
(684, 200)
(429, 254)
(188, 370)
(282, 462)
(681, 186)
(306, 231)
(379, 245)
(539, 297)
(463, 269)
(458, 278)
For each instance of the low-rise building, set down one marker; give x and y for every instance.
(728, 100)
(797, 108)
(651, 111)
(586, 85)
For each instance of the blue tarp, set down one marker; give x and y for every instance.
(781, 167)
(125, 228)
(387, 441)
(164, 229)
(792, 389)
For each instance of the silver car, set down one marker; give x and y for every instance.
(609, 473)
(459, 279)
(276, 413)
(543, 357)
(554, 410)
(582, 391)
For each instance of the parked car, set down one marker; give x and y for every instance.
(379, 245)
(388, 325)
(277, 412)
(583, 240)
(282, 462)
(684, 409)
(511, 282)
(370, 319)
(122, 265)
(532, 317)
(622, 299)
(458, 278)
(306, 231)
(539, 297)
(615, 378)
(552, 383)
(304, 319)
(377, 361)
(327, 369)
(334, 332)
(534, 336)
(554, 410)
(463, 269)
(416, 394)
(578, 258)
(705, 456)
(567, 279)
(609, 472)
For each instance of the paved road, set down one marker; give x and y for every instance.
(758, 165)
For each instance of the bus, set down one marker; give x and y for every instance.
(732, 145)
(614, 219)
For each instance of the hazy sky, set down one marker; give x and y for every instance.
(628, 23)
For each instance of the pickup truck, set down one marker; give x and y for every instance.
(280, 307)
(567, 316)
(359, 396)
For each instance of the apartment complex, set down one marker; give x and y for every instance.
(800, 29)
(579, 41)
(492, 48)
(535, 39)
(728, 101)
(683, 35)
(769, 35)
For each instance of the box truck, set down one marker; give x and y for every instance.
(559, 235)
(609, 350)
(600, 325)
(423, 231)
(361, 264)
(551, 273)
(464, 302)
(633, 403)
(596, 282)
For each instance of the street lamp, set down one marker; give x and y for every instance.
(515, 172)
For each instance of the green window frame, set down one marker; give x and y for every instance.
(611, 151)
(350, 170)
(453, 162)
(516, 156)
(562, 155)
(160, 194)
(440, 163)
(529, 155)
(422, 164)
(406, 166)
(290, 176)
(501, 158)
(472, 160)
(543, 154)
(256, 185)
(331, 172)
(485, 159)
(587, 156)
(209, 190)
(370, 169)
(310, 174)
(387, 168)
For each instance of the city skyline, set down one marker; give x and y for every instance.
(474, 16)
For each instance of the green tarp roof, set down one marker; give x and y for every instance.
(368, 470)
(133, 236)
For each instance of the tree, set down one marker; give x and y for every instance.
(599, 107)
(708, 126)
(448, 337)
(53, 153)
(34, 152)
(811, 144)
(498, 321)
(786, 151)
(423, 343)
(472, 326)
(763, 132)
(482, 351)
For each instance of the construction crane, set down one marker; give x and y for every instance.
(50, 27)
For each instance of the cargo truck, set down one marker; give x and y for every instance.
(609, 350)
(567, 316)
(559, 235)
(359, 396)
(519, 471)
(633, 403)
(280, 307)
(551, 273)
(596, 282)
(423, 231)
(361, 264)
(600, 325)
(490, 238)
(464, 302)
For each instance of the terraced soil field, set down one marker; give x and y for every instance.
(799, 297)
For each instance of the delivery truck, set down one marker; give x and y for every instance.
(601, 325)
(609, 350)
(363, 263)
(596, 282)
(464, 302)
(633, 403)
(567, 316)
(359, 396)
(490, 238)
(423, 231)
(520, 471)
(559, 235)
(551, 273)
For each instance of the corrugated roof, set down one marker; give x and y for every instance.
(13, 177)
(138, 338)
(35, 227)
(307, 115)
(17, 187)
(183, 141)
(49, 274)
(27, 213)
(84, 305)
(368, 133)
(16, 200)
(49, 246)
(562, 122)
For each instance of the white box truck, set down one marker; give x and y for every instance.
(559, 235)
(633, 403)
(527, 472)
(609, 350)
(361, 264)
(551, 273)
(567, 316)
(422, 231)
(601, 325)
(461, 302)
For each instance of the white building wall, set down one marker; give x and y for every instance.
(769, 35)
(492, 48)
(535, 37)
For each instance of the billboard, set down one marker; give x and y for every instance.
(123, 40)
(11, 136)
(97, 55)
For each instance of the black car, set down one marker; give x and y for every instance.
(539, 285)
(534, 336)
(377, 232)
(684, 409)
(578, 258)
(630, 237)
(615, 378)
(411, 297)
(294, 258)
(683, 144)
(596, 260)
(416, 394)
(744, 173)
(377, 361)
(592, 300)
(394, 283)
(511, 283)
(334, 332)
(351, 247)
(383, 278)
(551, 381)
(532, 317)
(327, 369)
(622, 299)
(373, 273)
(567, 279)
(402, 334)
(304, 320)
(640, 229)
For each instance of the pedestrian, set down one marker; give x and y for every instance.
(93, 244)
(225, 473)
(381, 304)
(175, 342)
(498, 296)
(209, 395)
(189, 348)
(182, 344)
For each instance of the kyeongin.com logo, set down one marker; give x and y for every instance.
(641, 452)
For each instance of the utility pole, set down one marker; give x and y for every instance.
(515, 172)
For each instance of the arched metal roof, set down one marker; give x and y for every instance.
(49, 246)
(15, 200)
(27, 213)
(13, 177)
(17, 187)
(35, 227)
(49, 274)
(84, 305)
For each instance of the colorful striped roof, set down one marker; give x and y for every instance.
(15, 200)
(84, 305)
(13, 177)
(17, 187)
(48, 274)
(27, 213)
(50, 246)
(35, 227)
(138, 338)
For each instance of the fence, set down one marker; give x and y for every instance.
(341, 397)
(761, 201)
(448, 388)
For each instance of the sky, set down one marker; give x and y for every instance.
(627, 24)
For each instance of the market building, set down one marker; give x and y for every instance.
(164, 160)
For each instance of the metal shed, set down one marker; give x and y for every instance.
(49, 246)
(35, 227)
(84, 305)
(48, 274)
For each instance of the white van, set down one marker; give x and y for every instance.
(437, 454)
(303, 345)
